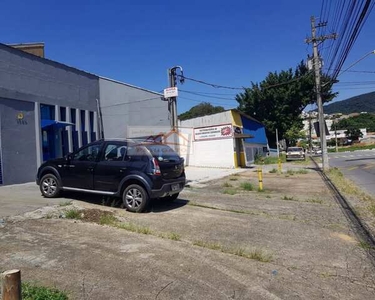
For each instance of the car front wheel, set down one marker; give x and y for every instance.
(49, 186)
(135, 198)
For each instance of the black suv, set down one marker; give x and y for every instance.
(137, 172)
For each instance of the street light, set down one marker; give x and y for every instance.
(356, 62)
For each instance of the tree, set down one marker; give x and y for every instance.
(362, 121)
(353, 134)
(279, 99)
(200, 110)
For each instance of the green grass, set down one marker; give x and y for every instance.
(34, 292)
(73, 214)
(108, 219)
(227, 184)
(364, 245)
(229, 191)
(256, 254)
(353, 148)
(268, 160)
(65, 203)
(299, 171)
(247, 186)
(287, 198)
(134, 228)
(318, 201)
(171, 236)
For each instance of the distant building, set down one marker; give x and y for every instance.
(228, 139)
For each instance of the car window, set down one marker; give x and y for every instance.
(163, 152)
(137, 153)
(294, 149)
(89, 153)
(114, 152)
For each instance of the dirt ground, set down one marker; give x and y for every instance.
(218, 241)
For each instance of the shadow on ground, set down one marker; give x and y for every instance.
(155, 206)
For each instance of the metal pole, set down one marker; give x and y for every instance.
(337, 149)
(277, 143)
(316, 64)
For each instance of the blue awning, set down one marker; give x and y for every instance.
(56, 124)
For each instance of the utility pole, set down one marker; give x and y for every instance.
(317, 66)
(277, 143)
(310, 131)
(172, 102)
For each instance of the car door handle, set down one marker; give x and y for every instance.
(122, 170)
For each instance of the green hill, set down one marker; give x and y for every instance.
(357, 104)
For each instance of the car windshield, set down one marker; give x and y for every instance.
(294, 149)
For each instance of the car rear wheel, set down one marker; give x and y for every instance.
(50, 186)
(135, 198)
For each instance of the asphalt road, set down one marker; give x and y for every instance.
(358, 166)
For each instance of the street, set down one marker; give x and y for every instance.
(358, 166)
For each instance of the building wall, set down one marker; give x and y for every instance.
(17, 141)
(214, 153)
(215, 119)
(123, 105)
(27, 77)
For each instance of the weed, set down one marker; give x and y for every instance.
(288, 198)
(73, 214)
(236, 174)
(268, 197)
(371, 209)
(229, 191)
(108, 219)
(260, 160)
(33, 292)
(299, 171)
(274, 170)
(173, 236)
(364, 245)
(233, 179)
(134, 228)
(49, 216)
(258, 255)
(247, 186)
(319, 201)
(227, 184)
(65, 203)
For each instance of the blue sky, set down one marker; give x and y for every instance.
(225, 42)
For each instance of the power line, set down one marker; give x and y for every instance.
(131, 102)
(218, 86)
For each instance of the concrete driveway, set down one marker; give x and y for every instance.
(212, 243)
(20, 198)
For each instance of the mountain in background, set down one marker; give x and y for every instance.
(357, 104)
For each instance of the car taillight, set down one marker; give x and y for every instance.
(156, 167)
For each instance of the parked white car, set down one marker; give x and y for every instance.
(295, 153)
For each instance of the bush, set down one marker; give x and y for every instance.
(33, 292)
(247, 186)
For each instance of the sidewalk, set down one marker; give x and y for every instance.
(197, 175)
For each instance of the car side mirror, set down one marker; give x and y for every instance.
(69, 157)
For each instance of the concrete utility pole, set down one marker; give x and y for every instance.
(317, 66)
(172, 102)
